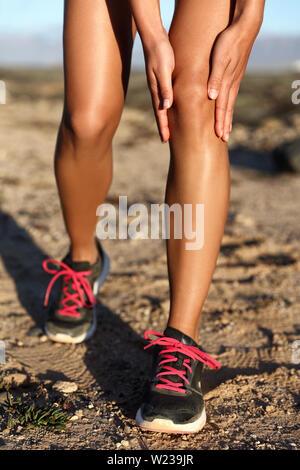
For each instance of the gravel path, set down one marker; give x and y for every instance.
(250, 318)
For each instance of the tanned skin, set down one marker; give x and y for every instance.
(193, 73)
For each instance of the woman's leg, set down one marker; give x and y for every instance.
(199, 167)
(98, 39)
(198, 174)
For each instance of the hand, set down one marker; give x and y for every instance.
(160, 63)
(229, 61)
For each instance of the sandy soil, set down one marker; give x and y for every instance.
(250, 318)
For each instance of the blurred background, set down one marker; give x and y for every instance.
(30, 34)
(251, 316)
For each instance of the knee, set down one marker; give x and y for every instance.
(90, 125)
(191, 100)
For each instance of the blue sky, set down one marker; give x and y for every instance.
(37, 15)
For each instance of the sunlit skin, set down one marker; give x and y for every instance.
(193, 73)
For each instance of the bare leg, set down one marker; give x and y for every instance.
(199, 168)
(98, 39)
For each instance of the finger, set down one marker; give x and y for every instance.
(163, 124)
(229, 112)
(160, 114)
(218, 69)
(164, 80)
(221, 108)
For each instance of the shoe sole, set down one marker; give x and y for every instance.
(65, 338)
(167, 425)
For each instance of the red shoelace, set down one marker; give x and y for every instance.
(79, 284)
(171, 345)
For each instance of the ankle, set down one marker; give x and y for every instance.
(191, 332)
(85, 253)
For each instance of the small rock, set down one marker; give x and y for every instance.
(74, 418)
(65, 387)
(43, 338)
(125, 443)
(118, 445)
(16, 380)
(269, 408)
(79, 413)
(6, 431)
(224, 447)
(90, 406)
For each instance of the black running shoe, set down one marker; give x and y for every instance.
(173, 401)
(72, 318)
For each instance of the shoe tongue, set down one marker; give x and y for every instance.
(176, 334)
(80, 265)
(185, 339)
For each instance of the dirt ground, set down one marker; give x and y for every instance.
(251, 316)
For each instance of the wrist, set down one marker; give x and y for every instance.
(248, 16)
(153, 37)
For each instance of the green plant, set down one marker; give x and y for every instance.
(26, 414)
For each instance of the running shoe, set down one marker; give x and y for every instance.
(173, 401)
(72, 317)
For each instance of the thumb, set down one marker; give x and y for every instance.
(216, 76)
(165, 88)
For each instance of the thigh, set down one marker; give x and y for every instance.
(98, 40)
(194, 29)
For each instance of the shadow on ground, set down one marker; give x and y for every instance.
(115, 355)
(253, 160)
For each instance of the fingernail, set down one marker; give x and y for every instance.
(166, 104)
(226, 137)
(213, 94)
